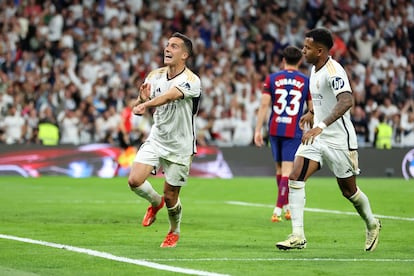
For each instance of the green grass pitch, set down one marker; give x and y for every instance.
(92, 226)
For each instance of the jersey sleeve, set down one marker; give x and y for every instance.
(339, 81)
(190, 86)
(266, 85)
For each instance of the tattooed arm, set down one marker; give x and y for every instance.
(344, 103)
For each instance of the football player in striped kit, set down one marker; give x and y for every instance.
(285, 94)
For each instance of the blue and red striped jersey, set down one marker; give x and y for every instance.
(289, 90)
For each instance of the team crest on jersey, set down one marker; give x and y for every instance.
(186, 85)
(338, 83)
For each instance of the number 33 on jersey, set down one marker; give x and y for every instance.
(289, 90)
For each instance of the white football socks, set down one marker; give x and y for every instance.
(174, 216)
(297, 199)
(277, 211)
(147, 191)
(363, 207)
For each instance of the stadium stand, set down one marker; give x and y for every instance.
(76, 64)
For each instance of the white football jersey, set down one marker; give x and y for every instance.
(325, 85)
(173, 131)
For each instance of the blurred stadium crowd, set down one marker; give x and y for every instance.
(69, 70)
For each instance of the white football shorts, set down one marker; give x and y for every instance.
(343, 163)
(175, 174)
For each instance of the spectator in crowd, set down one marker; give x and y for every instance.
(13, 126)
(379, 65)
(31, 117)
(364, 44)
(222, 129)
(383, 134)
(106, 126)
(69, 125)
(372, 125)
(243, 132)
(55, 27)
(48, 133)
(397, 134)
(86, 130)
(357, 85)
(359, 119)
(204, 124)
(388, 108)
(407, 124)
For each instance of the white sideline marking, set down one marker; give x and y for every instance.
(287, 259)
(316, 210)
(150, 262)
(113, 257)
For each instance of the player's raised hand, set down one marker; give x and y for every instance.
(144, 91)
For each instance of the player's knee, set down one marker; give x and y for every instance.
(294, 176)
(348, 187)
(170, 198)
(171, 195)
(348, 193)
(298, 175)
(135, 181)
(132, 183)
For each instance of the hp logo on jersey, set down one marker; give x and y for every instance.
(338, 83)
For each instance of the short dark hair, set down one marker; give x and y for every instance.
(322, 36)
(187, 42)
(292, 55)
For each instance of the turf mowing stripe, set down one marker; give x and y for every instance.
(316, 210)
(113, 257)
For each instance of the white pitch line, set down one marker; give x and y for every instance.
(151, 262)
(316, 210)
(283, 259)
(113, 257)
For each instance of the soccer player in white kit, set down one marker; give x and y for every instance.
(174, 91)
(332, 140)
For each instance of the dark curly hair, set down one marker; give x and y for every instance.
(322, 36)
